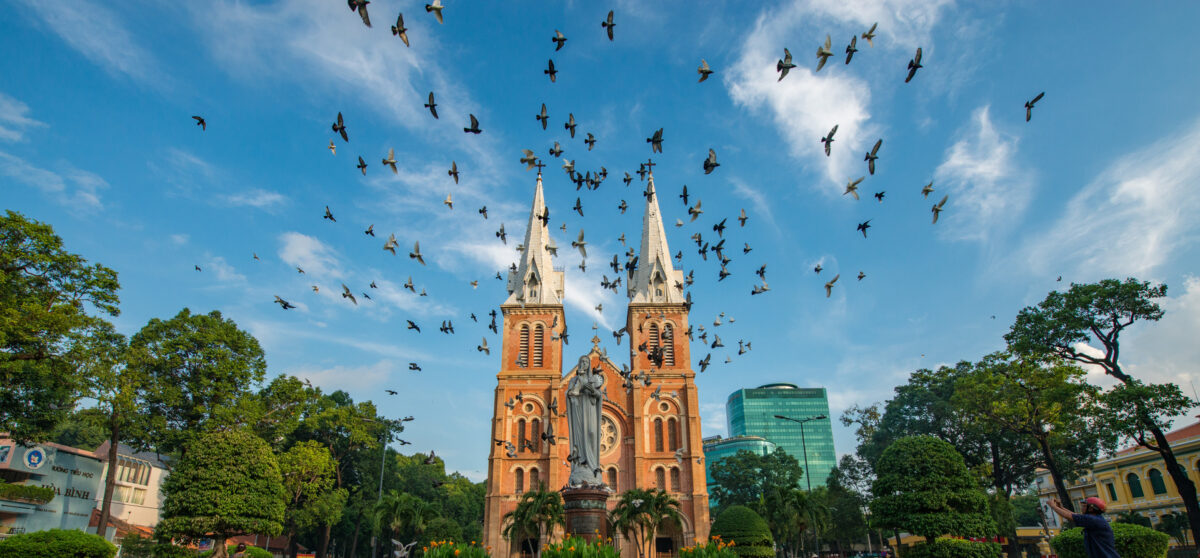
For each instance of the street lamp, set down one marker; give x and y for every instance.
(804, 450)
(385, 438)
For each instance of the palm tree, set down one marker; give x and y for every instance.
(400, 511)
(793, 513)
(1133, 518)
(639, 513)
(537, 513)
(1176, 525)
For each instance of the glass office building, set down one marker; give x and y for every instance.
(717, 448)
(751, 412)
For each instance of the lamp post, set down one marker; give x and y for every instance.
(385, 438)
(804, 450)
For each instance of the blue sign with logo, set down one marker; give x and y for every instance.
(35, 458)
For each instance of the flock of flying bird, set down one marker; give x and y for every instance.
(593, 180)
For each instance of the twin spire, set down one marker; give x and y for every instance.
(654, 281)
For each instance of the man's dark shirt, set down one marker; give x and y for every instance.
(1098, 538)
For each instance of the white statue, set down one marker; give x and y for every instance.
(585, 394)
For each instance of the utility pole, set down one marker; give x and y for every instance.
(804, 450)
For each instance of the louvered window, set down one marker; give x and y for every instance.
(652, 338)
(535, 434)
(672, 434)
(538, 333)
(668, 345)
(612, 478)
(523, 358)
(658, 434)
(521, 435)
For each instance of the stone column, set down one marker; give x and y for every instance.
(586, 512)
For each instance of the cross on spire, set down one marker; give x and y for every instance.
(650, 165)
(540, 165)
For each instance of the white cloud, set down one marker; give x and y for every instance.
(225, 273)
(262, 199)
(1132, 218)
(76, 189)
(713, 419)
(348, 378)
(762, 209)
(986, 188)
(179, 239)
(97, 33)
(14, 119)
(1166, 351)
(316, 258)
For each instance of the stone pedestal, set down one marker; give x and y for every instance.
(586, 512)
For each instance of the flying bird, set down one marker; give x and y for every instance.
(570, 125)
(783, 66)
(703, 70)
(861, 276)
(937, 208)
(197, 268)
(391, 244)
(529, 159)
(870, 34)
(559, 40)
(872, 155)
(329, 215)
(711, 164)
(742, 218)
(361, 6)
(829, 285)
(852, 187)
(340, 127)
(398, 29)
(449, 202)
(608, 25)
(828, 139)
(927, 189)
(416, 253)
(474, 129)
(484, 347)
(818, 268)
(453, 171)
(704, 362)
(332, 147)
(863, 226)
(347, 294)
(543, 117)
(414, 367)
(283, 303)
(550, 71)
(436, 8)
(851, 48)
(580, 244)
(684, 195)
(823, 53)
(1028, 107)
(879, 195)
(204, 125)
(362, 165)
(655, 141)
(502, 235)
(913, 66)
(413, 325)
(695, 211)
(432, 106)
(391, 160)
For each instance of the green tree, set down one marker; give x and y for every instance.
(1174, 524)
(744, 478)
(1064, 324)
(50, 300)
(82, 428)
(1132, 517)
(923, 487)
(846, 522)
(1026, 510)
(1048, 402)
(405, 515)
(537, 513)
(639, 513)
(746, 530)
(196, 368)
(307, 472)
(792, 513)
(227, 483)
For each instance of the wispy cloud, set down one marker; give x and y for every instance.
(76, 189)
(316, 258)
(762, 209)
(986, 187)
(256, 197)
(225, 273)
(1132, 218)
(14, 119)
(97, 33)
(179, 239)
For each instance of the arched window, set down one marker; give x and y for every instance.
(1156, 482)
(672, 434)
(612, 478)
(523, 357)
(652, 337)
(535, 434)
(668, 345)
(519, 484)
(1135, 485)
(537, 345)
(658, 434)
(660, 479)
(533, 479)
(674, 479)
(521, 435)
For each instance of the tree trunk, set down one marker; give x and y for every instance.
(1183, 484)
(219, 547)
(354, 538)
(110, 479)
(323, 542)
(293, 547)
(897, 533)
(1064, 497)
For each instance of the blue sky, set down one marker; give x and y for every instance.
(96, 138)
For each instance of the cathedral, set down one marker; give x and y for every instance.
(650, 418)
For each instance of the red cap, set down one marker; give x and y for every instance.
(1097, 503)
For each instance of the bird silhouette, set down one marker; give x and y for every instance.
(824, 52)
(201, 123)
(871, 156)
(711, 164)
(783, 66)
(590, 141)
(453, 172)
(927, 189)
(283, 303)
(436, 8)
(703, 70)
(1028, 106)
(863, 226)
(937, 208)
(559, 40)
(329, 215)
(913, 66)
(828, 139)
(362, 165)
(608, 25)
(483, 348)
(347, 294)
(391, 160)
(870, 34)
(851, 48)
(655, 141)
(474, 128)
(742, 218)
(543, 117)
(340, 127)
(569, 126)
(416, 253)
(550, 71)
(431, 105)
(361, 6)
(829, 285)
(398, 29)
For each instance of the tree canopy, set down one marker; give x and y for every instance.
(744, 478)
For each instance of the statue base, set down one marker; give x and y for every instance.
(586, 512)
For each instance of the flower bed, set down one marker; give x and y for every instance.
(714, 548)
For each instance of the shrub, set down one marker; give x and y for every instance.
(9, 491)
(135, 546)
(56, 543)
(714, 548)
(1133, 541)
(953, 548)
(251, 551)
(924, 487)
(746, 531)
(440, 529)
(575, 547)
(451, 549)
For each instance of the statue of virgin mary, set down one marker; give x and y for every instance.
(585, 394)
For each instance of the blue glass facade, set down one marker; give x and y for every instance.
(717, 448)
(751, 412)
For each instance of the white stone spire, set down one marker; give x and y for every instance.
(655, 280)
(535, 281)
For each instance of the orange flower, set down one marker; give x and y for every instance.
(456, 551)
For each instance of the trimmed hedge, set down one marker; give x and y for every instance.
(9, 491)
(953, 548)
(251, 551)
(1133, 541)
(748, 531)
(56, 543)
